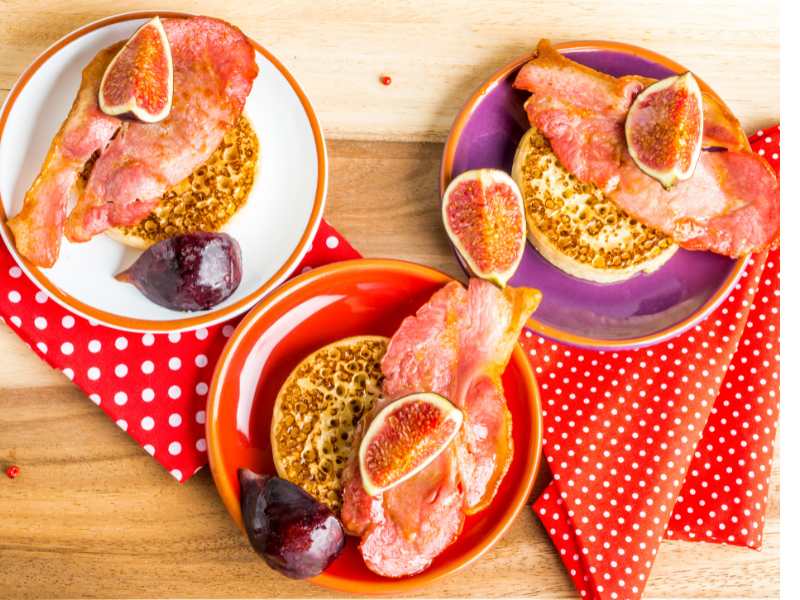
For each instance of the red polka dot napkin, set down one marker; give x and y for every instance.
(153, 386)
(674, 441)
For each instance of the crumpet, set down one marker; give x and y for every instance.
(575, 227)
(207, 199)
(317, 411)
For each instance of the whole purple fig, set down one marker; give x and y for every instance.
(293, 532)
(192, 271)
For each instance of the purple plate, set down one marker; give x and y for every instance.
(644, 310)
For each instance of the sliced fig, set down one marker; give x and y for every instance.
(192, 271)
(294, 533)
(404, 438)
(664, 129)
(484, 217)
(138, 80)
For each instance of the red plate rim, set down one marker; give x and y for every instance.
(228, 492)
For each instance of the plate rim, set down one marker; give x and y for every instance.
(212, 317)
(224, 487)
(548, 331)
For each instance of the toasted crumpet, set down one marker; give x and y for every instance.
(317, 410)
(575, 227)
(207, 199)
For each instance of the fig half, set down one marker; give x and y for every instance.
(404, 438)
(484, 217)
(664, 129)
(138, 80)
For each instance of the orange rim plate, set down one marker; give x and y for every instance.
(293, 163)
(356, 297)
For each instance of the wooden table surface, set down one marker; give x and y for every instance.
(92, 515)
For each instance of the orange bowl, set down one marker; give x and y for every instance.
(349, 298)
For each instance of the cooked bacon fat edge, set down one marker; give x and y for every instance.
(457, 345)
(731, 205)
(135, 163)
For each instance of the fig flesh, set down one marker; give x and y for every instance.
(138, 80)
(295, 534)
(484, 217)
(664, 129)
(404, 438)
(193, 271)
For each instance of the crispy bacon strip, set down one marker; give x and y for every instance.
(488, 330)
(733, 187)
(581, 111)
(730, 205)
(720, 128)
(38, 226)
(214, 68)
(457, 345)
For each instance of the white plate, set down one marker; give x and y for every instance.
(274, 229)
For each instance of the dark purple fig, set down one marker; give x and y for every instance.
(193, 271)
(293, 532)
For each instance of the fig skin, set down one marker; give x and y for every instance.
(294, 533)
(189, 272)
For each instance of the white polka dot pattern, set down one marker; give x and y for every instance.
(154, 386)
(675, 440)
(724, 496)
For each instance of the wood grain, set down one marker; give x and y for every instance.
(92, 515)
(439, 52)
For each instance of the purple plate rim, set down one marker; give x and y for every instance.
(547, 331)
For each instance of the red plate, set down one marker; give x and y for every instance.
(357, 297)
